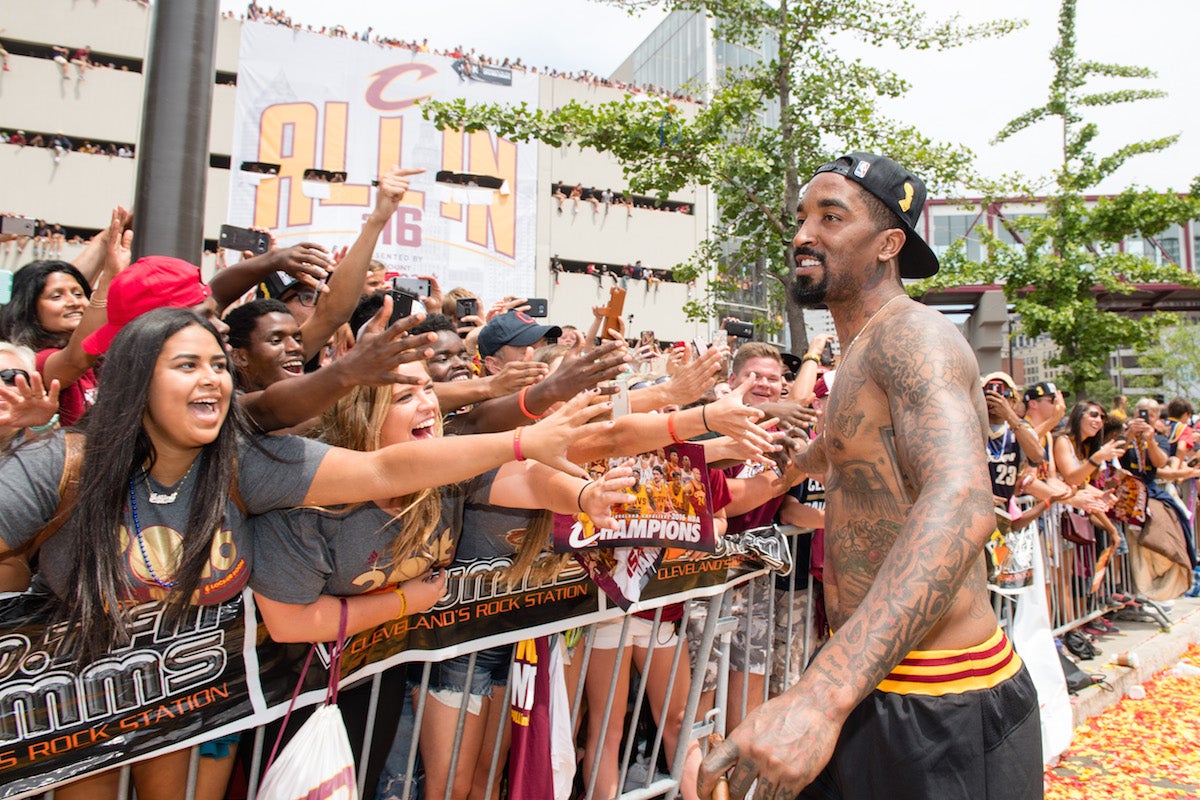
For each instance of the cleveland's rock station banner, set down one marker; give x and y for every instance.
(217, 672)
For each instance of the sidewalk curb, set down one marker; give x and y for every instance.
(1155, 652)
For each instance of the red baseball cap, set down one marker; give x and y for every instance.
(150, 282)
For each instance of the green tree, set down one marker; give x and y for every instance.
(824, 102)
(1051, 275)
(1177, 354)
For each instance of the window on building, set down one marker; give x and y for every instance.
(949, 228)
(1161, 249)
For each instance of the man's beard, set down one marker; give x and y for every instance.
(806, 292)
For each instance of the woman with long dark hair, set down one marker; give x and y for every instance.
(169, 476)
(1080, 451)
(1084, 458)
(50, 302)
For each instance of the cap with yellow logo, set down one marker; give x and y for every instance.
(902, 192)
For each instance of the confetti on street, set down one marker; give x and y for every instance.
(1138, 749)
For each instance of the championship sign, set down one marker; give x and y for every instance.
(319, 118)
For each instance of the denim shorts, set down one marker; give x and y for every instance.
(491, 670)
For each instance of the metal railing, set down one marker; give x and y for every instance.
(710, 630)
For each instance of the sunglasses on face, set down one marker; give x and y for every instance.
(9, 376)
(1096, 414)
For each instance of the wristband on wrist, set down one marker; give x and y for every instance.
(524, 408)
(517, 445)
(43, 428)
(810, 357)
(1090, 461)
(579, 498)
(403, 602)
(704, 418)
(671, 428)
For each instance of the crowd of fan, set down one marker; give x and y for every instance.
(1112, 492)
(309, 353)
(60, 144)
(272, 15)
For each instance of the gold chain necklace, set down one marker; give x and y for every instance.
(849, 347)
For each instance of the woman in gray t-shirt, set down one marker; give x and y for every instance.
(308, 557)
(168, 476)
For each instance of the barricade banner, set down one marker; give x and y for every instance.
(169, 686)
(218, 672)
(318, 118)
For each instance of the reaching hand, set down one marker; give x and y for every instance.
(691, 380)
(28, 405)
(1110, 450)
(578, 373)
(392, 186)
(732, 417)
(306, 261)
(598, 499)
(792, 415)
(381, 348)
(547, 441)
(516, 375)
(118, 243)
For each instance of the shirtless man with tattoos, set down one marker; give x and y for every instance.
(918, 694)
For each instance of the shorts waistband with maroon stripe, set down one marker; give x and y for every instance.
(941, 672)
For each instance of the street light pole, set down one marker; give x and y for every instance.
(172, 169)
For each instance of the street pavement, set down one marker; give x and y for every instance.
(1137, 735)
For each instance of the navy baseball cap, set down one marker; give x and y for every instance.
(515, 328)
(902, 193)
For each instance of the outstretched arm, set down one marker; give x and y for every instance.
(351, 476)
(346, 283)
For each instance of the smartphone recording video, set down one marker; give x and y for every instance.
(402, 304)
(243, 239)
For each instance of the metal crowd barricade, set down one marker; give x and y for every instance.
(715, 638)
(1070, 600)
(1068, 578)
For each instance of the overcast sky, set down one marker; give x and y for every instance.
(963, 96)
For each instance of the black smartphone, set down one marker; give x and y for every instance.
(466, 307)
(242, 239)
(827, 355)
(18, 225)
(742, 330)
(1144, 414)
(402, 304)
(538, 307)
(417, 287)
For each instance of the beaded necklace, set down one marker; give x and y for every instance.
(141, 541)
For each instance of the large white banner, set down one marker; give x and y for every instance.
(308, 101)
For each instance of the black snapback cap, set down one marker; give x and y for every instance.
(902, 192)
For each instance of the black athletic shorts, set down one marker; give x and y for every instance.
(943, 725)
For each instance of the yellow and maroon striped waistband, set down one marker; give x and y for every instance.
(939, 672)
